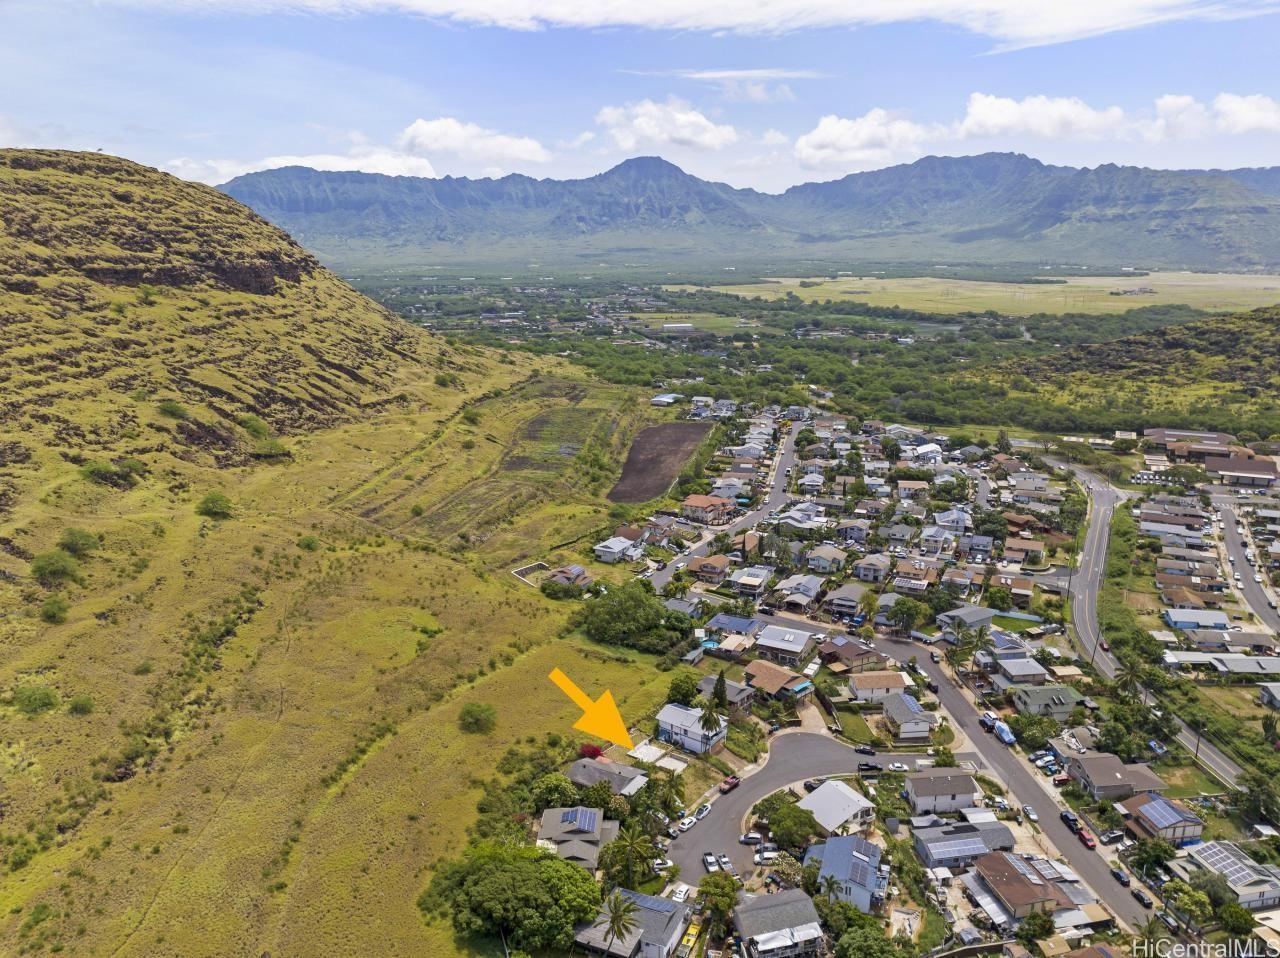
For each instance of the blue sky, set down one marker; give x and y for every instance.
(762, 94)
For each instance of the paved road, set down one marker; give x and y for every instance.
(777, 497)
(1253, 593)
(1025, 785)
(1086, 583)
(793, 757)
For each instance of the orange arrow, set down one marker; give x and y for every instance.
(600, 718)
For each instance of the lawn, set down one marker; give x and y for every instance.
(1079, 294)
(1188, 781)
(1010, 624)
(855, 726)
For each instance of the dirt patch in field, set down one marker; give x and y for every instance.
(655, 458)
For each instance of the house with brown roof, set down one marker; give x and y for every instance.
(912, 488)
(874, 687)
(1023, 550)
(1021, 587)
(1150, 816)
(709, 509)
(843, 654)
(776, 681)
(711, 569)
(1017, 886)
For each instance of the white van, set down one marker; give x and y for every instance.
(765, 858)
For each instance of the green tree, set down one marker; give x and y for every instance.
(55, 567)
(709, 721)
(683, 688)
(214, 505)
(631, 615)
(791, 826)
(720, 693)
(618, 918)
(943, 757)
(79, 542)
(1000, 599)
(1037, 926)
(54, 609)
(1236, 919)
(1190, 902)
(477, 718)
(719, 893)
(31, 700)
(1152, 853)
(532, 897)
(907, 613)
(866, 942)
(626, 855)
(553, 790)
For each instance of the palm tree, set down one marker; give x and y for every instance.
(632, 846)
(1269, 729)
(618, 918)
(1129, 675)
(830, 887)
(709, 721)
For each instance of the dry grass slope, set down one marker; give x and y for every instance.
(250, 745)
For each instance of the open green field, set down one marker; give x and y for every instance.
(1083, 294)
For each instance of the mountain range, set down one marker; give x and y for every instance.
(992, 208)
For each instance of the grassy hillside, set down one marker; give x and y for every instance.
(235, 733)
(1219, 373)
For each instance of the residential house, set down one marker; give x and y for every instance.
(708, 509)
(966, 617)
(900, 533)
(874, 687)
(1196, 619)
(915, 576)
(873, 568)
(776, 682)
(955, 521)
(571, 575)
(1255, 886)
(782, 925)
(623, 779)
(682, 725)
(811, 483)
(853, 531)
(1020, 587)
(1269, 694)
(937, 540)
(577, 834)
(722, 623)
(798, 591)
(784, 645)
(845, 600)
(1024, 551)
(907, 718)
(1018, 886)
(941, 791)
(854, 863)
(1054, 701)
(658, 926)
(958, 845)
(838, 809)
(752, 580)
(1017, 671)
(740, 696)
(912, 488)
(618, 549)
(1104, 776)
(976, 548)
(825, 559)
(1151, 816)
(711, 569)
(843, 653)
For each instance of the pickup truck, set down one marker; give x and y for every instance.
(729, 784)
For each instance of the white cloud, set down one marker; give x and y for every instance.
(1053, 118)
(1179, 117)
(470, 142)
(755, 73)
(773, 138)
(1247, 114)
(671, 123)
(363, 158)
(875, 138)
(1013, 23)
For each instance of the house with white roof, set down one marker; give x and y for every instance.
(682, 725)
(618, 549)
(838, 809)
(784, 645)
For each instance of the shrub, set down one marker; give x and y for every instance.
(80, 705)
(590, 750)
(214, 505)
(173, 409)
(79, 542)
(55, 567)
(54, 609)
(255, 426)
(417, 510)
(308, 543)
(122, 475)
(31, 700)
(477, 718)
(270, 448)
(143, 667)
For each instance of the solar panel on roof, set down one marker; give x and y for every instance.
(913, 704)
(1162, 813)
(581, 818)
(959, 848)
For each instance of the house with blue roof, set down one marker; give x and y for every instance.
(855, 865)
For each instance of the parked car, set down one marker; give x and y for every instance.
(750, 838)
(1111, 837)
(709, 862)
(1141, 897)
(1086, 839)
(864, 750)
(934, 656)
(1069, 819)
(897, 767)
(932, 686)
(726, 864)
(1122, 876)
(767, 847)
(729, 784)
(868, 767)
(1061, 780)
(687, 823)
(702, 812)
(812, 784)
(1030, 813)
(681, 893)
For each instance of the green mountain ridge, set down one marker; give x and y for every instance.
(991, 208)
